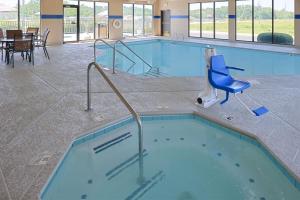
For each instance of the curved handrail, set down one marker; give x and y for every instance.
(144, 61)
(114, 49)
(128, 106)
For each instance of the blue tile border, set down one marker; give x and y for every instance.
(115, 17)
(179, 17)
(121, 123)
(52, 16)
(297, 16)
(231, 16)
(156, 17)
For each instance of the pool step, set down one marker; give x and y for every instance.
(112, 142)
(154, 72)
(146, 186)
(124, 165)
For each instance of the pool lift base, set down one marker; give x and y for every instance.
(209, 96)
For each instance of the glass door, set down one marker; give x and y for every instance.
(71, 23)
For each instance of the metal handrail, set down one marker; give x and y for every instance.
(128, 106)
(144, 61)
(114, 52)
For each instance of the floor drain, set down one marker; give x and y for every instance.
(229, 118)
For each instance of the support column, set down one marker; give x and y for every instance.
(115, 13)
(52, 18)
(156, 18)
(232, 20)
(297, 23)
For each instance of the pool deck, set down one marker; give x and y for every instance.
(43, 110)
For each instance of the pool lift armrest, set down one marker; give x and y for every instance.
(235, 68)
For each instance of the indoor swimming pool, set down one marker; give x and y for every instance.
(182, 59)
(185, 158)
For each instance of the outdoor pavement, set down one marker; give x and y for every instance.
(42, 109)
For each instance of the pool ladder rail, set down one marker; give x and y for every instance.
(152, 72)
(135, 115)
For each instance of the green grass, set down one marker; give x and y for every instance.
(281, 26)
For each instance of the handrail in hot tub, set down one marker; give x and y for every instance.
(135, 115)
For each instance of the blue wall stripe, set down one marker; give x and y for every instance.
(156, 17)
(52, 16)
(115, 17)
(231, 16)
(179, 17)
(297, 16)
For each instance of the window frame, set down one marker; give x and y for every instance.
(253, 23)
(133, 17)
(201, 20)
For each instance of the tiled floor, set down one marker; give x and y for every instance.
(42, 110)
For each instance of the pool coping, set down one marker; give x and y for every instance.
(115, 124)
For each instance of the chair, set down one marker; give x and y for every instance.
(34, 31)
(42, 42)
(220, 78)
(2, 45)
(23, 46)
(11, 34)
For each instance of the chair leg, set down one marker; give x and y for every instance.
(32, 57)
(226, 99)
(46, 52)
(13, 60)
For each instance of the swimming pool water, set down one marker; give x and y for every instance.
(185, 159)
(175, 58)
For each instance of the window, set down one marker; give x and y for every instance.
(195, 19)
(86, 20)
(244, 26)
(128, 19)
(137, 19)
(284, 16)
(255, 17)
(208, 20)
(148, 19)
(101, 16)
(17, 14)
(221, 20)
(262, 17)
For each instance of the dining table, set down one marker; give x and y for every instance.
(8, 42)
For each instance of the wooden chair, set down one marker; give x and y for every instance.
(11, 34)
(34, 31)
(20, 46)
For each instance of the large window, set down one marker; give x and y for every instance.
(284, 16)
(19, 14)
(93, 19)
(262, 17)
(221, 20)
(255, 17)
(244, 26)
(86, 20)
(148, 19)
(128, 19)
(137, 19)
(195, 19)
(209, 20)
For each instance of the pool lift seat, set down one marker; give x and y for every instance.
(220, 78)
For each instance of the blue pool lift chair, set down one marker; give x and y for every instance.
(220, 78)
